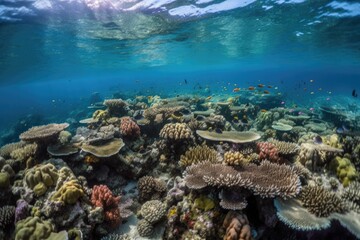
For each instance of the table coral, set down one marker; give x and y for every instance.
(103, 197)
(43, 133)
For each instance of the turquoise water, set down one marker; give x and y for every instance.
(55, 54)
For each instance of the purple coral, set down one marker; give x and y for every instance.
(21, 210)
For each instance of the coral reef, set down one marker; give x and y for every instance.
(198, 154)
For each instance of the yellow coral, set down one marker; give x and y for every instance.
(172, 212)
(204, 203)
(234, 158)
(198, 154)
(91, 159)
(344, 170)
(100, 115)
(69, 193)
(332, 140)
(40, 177)
(33, 228)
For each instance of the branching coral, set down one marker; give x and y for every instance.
(43, 133)
(285, 148)
(351, 194)
(129, 128)
(176, 131)
(321, 202)
(266, 180)
(198, 154)
(7, 214)
(235, 158)
(25, 152)
(237, 226)
(7, 149)
(103, 197)
(151, 188)
(41, 177)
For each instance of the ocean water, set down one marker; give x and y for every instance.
(57, 56)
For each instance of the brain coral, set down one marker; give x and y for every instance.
(40, 177)
(33, 228)
(176, 131)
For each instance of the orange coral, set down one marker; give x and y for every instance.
(129, 128)
(103, 197)
(91, 159)
(237, 226)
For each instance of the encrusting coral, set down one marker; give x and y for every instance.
(321, 202)
(176, 131)
(33, 228)
(237, 227)
(151, 188)
(103, 197)
(198, 154)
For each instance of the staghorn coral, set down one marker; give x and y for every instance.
(33, 228)
(7, 214)
(344, 170)
(7, 149)
(198, 154)
(116, 107)
(144, 228)
(103, 197)
(151, 188)
(25, 152)
(237, 226)
(153, 211)
(285, 148)
(41, 177)
(351, 195)
(69, 192)
(176, 131)
(267, 180)
(43, 133)
(321, 202)
(129, 128)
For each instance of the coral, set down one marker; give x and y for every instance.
(321, 202)
(266, 180)
(7, 214)
(268, 151)
(129, 128)
(116, 107)
(176, 131)
(237, 226)
(40, 177)
(153, 211)
(33, 228)
(285, 148)
(235, 158)
(204, 203)
(69, 193)
(103, 197)
(24, 152)
(21, 210)
(151, 188)
(4, 180)
(62, 150)
(332, 140)
(64, 137)
(351, 194)
(43, 133)
(233, 199)
(7, 149)
(100, 115)
(198, 154)
(344, 170)
(104, 150)
(229, 136)
(145, 229)
(91, 159)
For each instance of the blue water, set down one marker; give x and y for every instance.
(55, 54)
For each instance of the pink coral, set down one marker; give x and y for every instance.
(129, 128)
(103, 197)
(268, 151)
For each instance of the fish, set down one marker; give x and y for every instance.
(269, 86)
(236, 89)
(318, 140)
(266, 92)
(251, 88)
(260, 85)
(354, 94)
(218, 130)
(185, 81)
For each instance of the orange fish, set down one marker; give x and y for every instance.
(263, 110)
(260, 85)
(266, 92)
(236, 89)
(251, 88)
